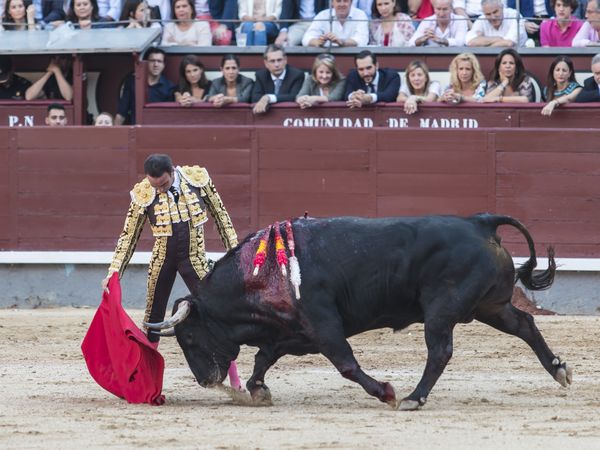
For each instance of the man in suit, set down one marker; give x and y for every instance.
(369, 84)
(291, 33)
(278, 82)
(591, 86)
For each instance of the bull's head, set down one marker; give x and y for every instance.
(203, 340)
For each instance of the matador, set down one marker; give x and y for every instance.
(175, 200)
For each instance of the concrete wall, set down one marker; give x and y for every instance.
(50, 285)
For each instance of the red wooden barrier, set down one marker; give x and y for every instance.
(67, 188)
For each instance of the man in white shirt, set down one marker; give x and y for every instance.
(589, 33)
(340, 26)
(443, 29)
(497, 27)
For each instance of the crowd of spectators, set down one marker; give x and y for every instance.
(321, 23)
(367, 83)
(324, 23)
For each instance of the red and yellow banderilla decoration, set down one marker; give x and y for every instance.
(280, 255)
(261, 252)
(280, 250)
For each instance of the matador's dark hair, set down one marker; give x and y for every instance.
(158, 164)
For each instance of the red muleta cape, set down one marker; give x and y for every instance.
(118, 354)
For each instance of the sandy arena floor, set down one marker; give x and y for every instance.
(494, 394)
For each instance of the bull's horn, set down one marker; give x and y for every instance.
(182, 312)
(168, 333)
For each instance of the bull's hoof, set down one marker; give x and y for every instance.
(261, 396)
(564, 374)
(411, 405)
(389, 396)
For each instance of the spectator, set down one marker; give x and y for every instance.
(232, 87)
(509, 83)
(469, 9)
(258, 20)
(56, 83)
(560, 30)
(368, 84)
(561, 87)
(305, 10)
(497, 27)
(226, 11)
(160, 89)
(185, 31)
(137, 14)
(588, 33)
(12, 87)
(591, 85)
(55, 116)
(277, 82)
(83, 14)
(325, 83)
(221, 34)
(193, 84)
(418, 88)
(18, 15)
(389, 27)
(420, 9)
(535, 11)
(467, 83)
(109, 10)
(443, 29)
(104, 119)
(350, 27)
(48, 12)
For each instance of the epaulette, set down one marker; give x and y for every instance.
(195, 175)
(143, 193)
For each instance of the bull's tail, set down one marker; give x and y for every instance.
(524, 273)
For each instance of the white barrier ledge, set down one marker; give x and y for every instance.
(563, 264)
(77, 257)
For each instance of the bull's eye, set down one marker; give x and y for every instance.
(189, 338)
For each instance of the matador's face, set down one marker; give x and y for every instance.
(162, 183)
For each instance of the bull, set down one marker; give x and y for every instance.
(361, 274)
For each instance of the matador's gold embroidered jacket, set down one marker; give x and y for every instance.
(197, 195)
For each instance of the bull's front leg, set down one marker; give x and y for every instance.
(263, 361)
(334, 346)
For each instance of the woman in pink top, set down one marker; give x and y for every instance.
(560, 30)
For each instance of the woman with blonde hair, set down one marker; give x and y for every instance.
(325, 84)
(418, 87)
(467, 83)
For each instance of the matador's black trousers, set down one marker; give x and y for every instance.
(177, 259)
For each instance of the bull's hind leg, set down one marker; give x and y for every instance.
(439, 340)
(513, 321)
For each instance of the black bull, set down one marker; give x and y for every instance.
(361, 274)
